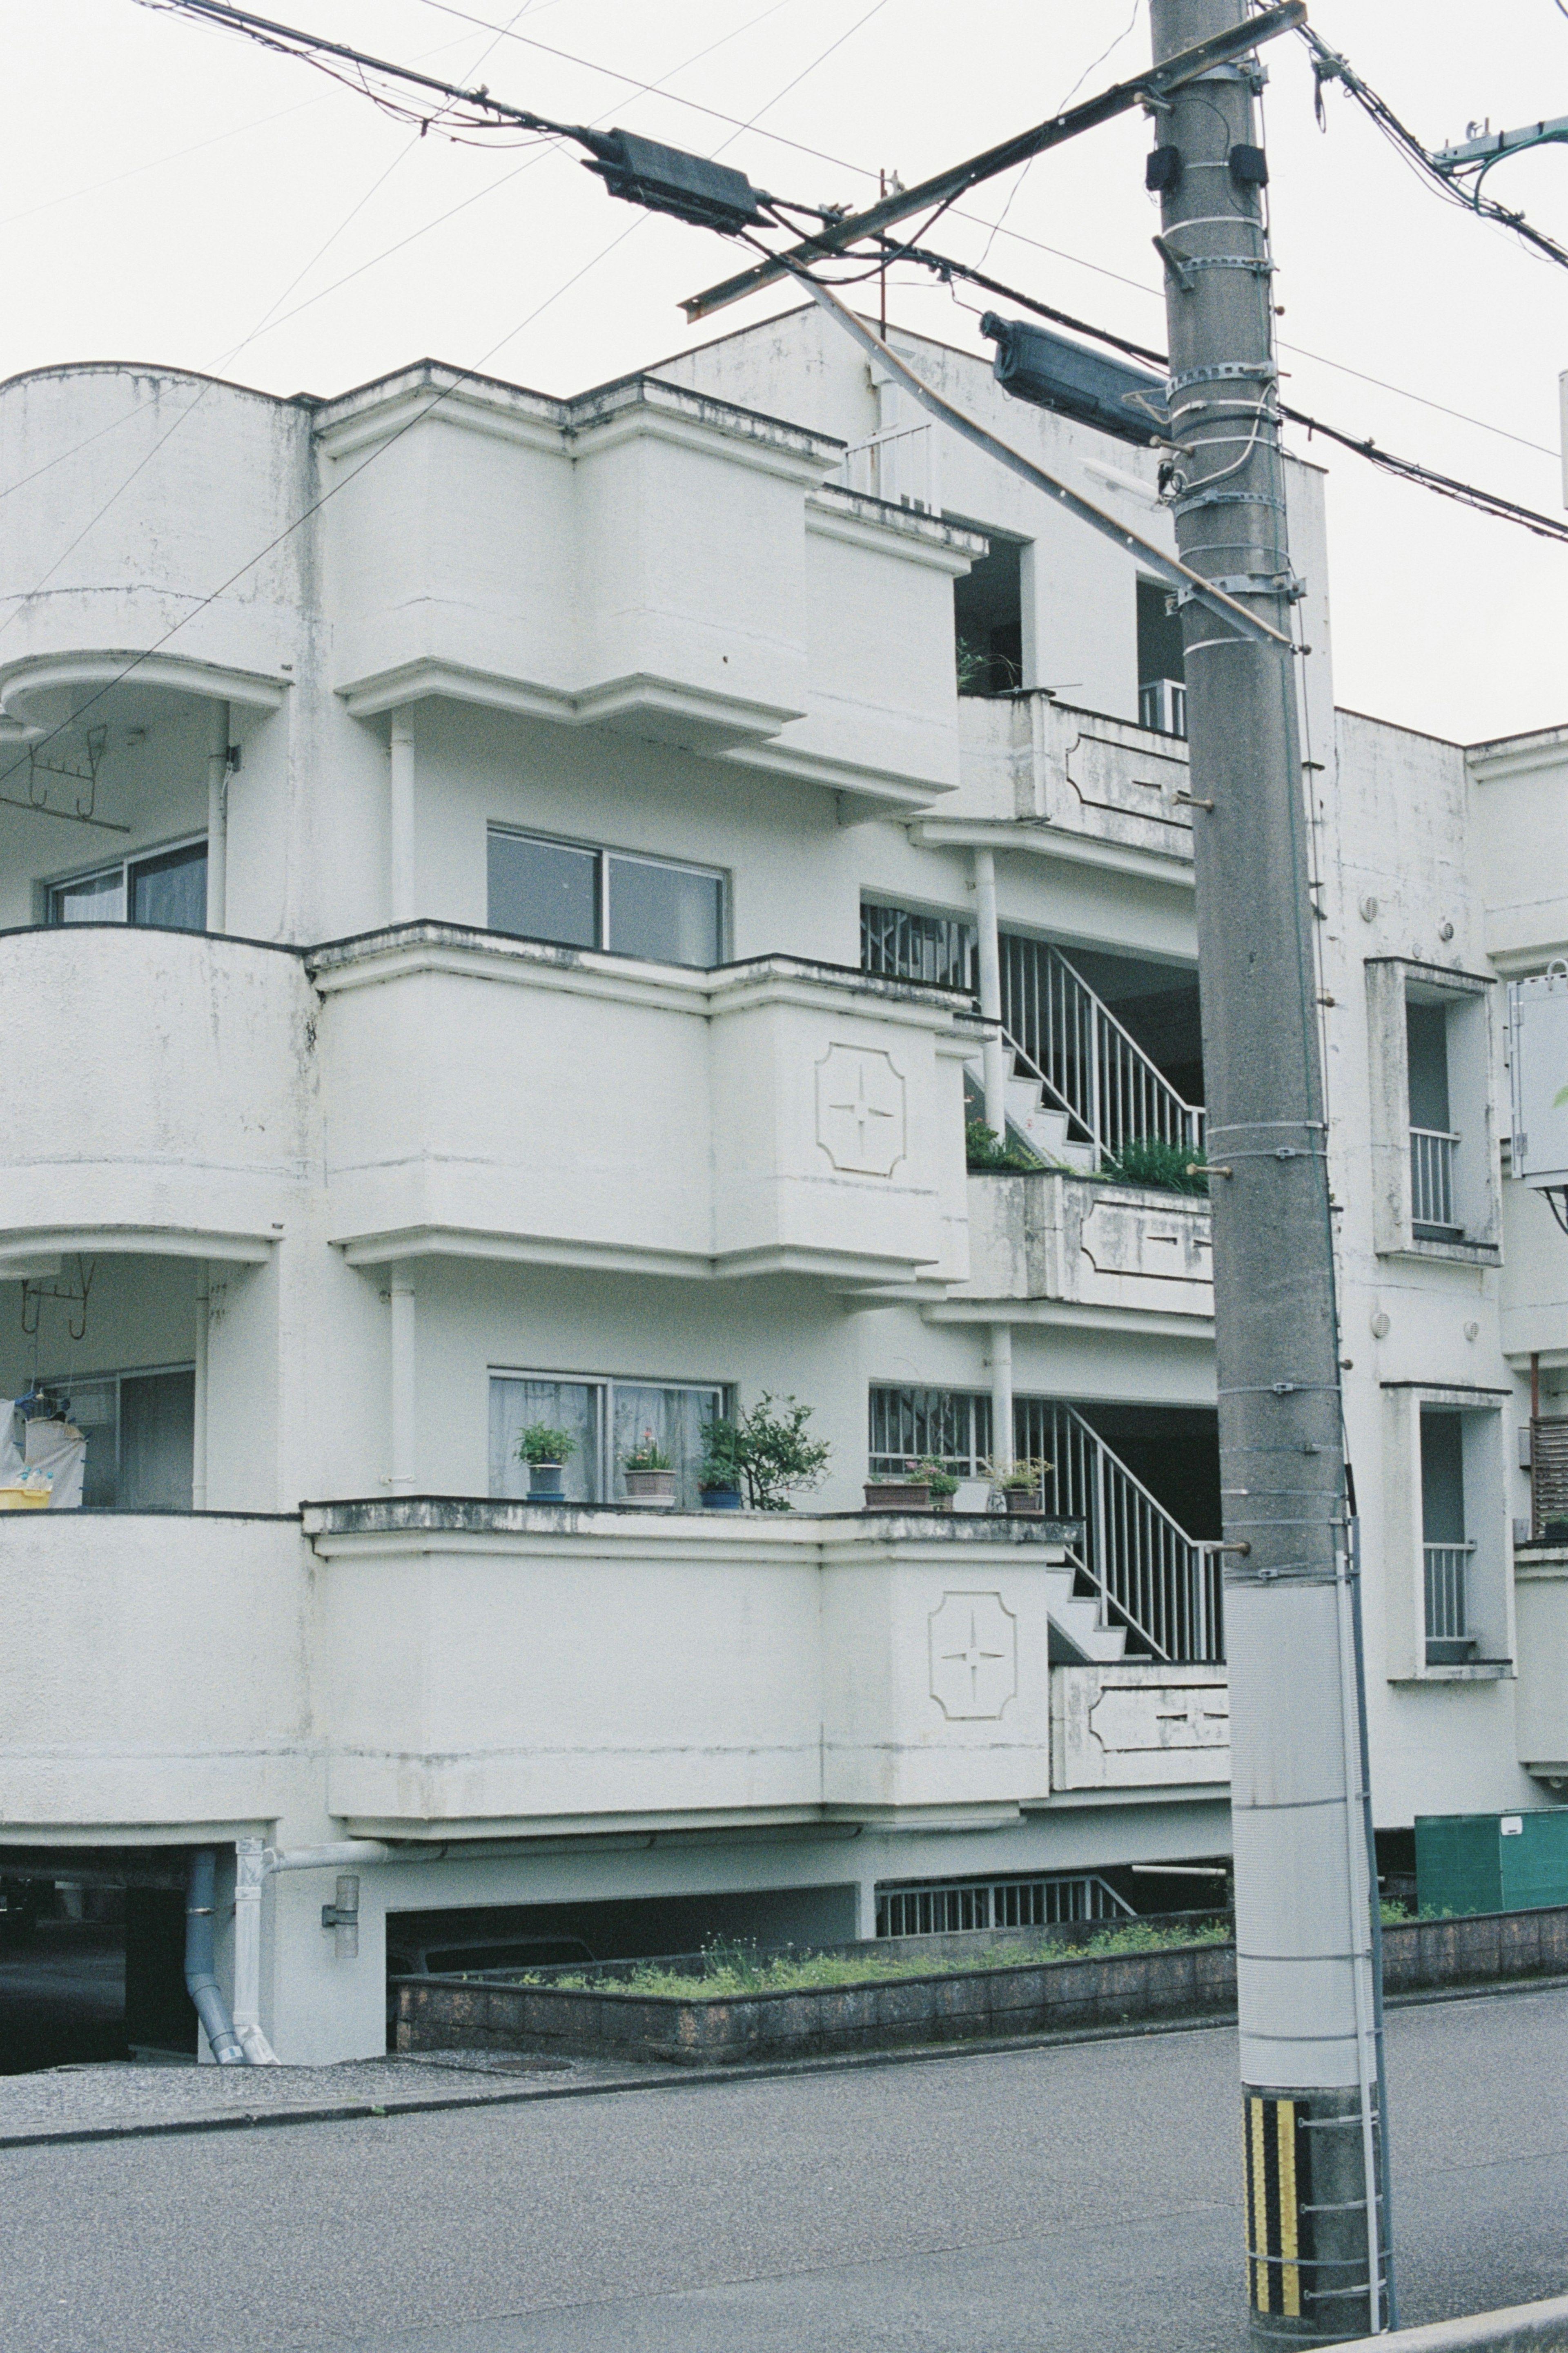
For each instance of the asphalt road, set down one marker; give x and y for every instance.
(1082, 2197)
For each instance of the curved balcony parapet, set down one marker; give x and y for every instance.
(162, 1090)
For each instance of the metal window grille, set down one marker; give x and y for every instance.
(905, 946)
(1432, 1178)
(947, 1426)
(1164, 1586)
(943, 1907)
(1065, 1036)
(1163, 706)
(1448, 1572)
(1548, 1472)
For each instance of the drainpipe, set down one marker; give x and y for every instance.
(996, 1054)
(1002, 1392)
(217, 818)
(401, 1481)
(249, 1870)
(199, 1433)
(402, 816)
(200, 1982)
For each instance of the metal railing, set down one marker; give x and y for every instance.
(943, 1906)
(899, 465)
(1091, 1067)
(1163, 706)
(1149, 1575)
(1448, 1575)
(1432, 1177)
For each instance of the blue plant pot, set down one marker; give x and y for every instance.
(544, 1483)
(720, 1499)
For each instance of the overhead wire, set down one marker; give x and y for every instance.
(1328, 65)
(1504, 510)
(976, 220)
(316, 505)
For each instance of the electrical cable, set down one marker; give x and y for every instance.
(1411, 470)
(1060, 108)
(1328, 65)
(278, 539)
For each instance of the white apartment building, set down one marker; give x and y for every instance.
(492, 892)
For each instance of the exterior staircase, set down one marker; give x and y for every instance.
(1080, 1635)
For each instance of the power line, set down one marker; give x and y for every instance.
(1328, 65)
(278, 539)
(1410, 469)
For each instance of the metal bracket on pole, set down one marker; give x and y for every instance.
(1189, 584)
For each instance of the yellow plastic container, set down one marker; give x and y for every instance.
(24, 1499)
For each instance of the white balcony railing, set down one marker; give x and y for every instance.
(1432, 1152)
(1448, 1574)
(1163, 706)
(899, 466)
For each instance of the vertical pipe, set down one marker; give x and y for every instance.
(199, 1432)
(996, 1054)
(404, 1456)
(401, 895)
(218, 817)
(1002, 1392)
(249, 1870)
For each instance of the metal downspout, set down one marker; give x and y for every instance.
(200, 1982)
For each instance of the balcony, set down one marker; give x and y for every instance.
(162, 1080)
(1128, 1252)
(1140, 1727)
(550, 1666)
(1110, 788)
(501, 1098)
(154, 1672)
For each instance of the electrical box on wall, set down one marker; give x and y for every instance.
(1538, 1056)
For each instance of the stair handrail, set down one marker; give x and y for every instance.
(1189, 1119)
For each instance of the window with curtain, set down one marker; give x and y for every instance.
(168, 889)
(607, 1419)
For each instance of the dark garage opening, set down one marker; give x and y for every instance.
(1175, 1450)
(92, 1962)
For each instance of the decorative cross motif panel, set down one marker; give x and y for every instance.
(861, 1117)
(973, 1655)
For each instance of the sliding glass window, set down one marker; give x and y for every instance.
(605, 1420)
(168, 889)
(585, 897)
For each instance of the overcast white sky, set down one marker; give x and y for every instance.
(172, 194)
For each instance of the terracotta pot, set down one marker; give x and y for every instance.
(897, 1495)
(653, 1489)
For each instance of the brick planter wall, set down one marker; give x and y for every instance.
(1035, 1997)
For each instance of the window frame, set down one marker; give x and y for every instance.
(607, 1384)
(69, 1385)
(892, 1464)
(146, 856)
(1392, 984)
(602, 852)
(1483, 1414)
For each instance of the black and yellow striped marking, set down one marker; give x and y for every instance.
(1278, 2234)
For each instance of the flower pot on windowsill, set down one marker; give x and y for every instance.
(544, 1483)
(654, 1490)
(720, 1499)
(897, 1495)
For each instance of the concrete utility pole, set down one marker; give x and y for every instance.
(1304, 1931)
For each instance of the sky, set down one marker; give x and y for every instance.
(173, 194)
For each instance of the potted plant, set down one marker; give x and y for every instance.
(909, 1493)
(718, 1479)
(773, 1454)
(546, 1452)
(649, 1474)
(1022, 1484)
(942, 1482)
